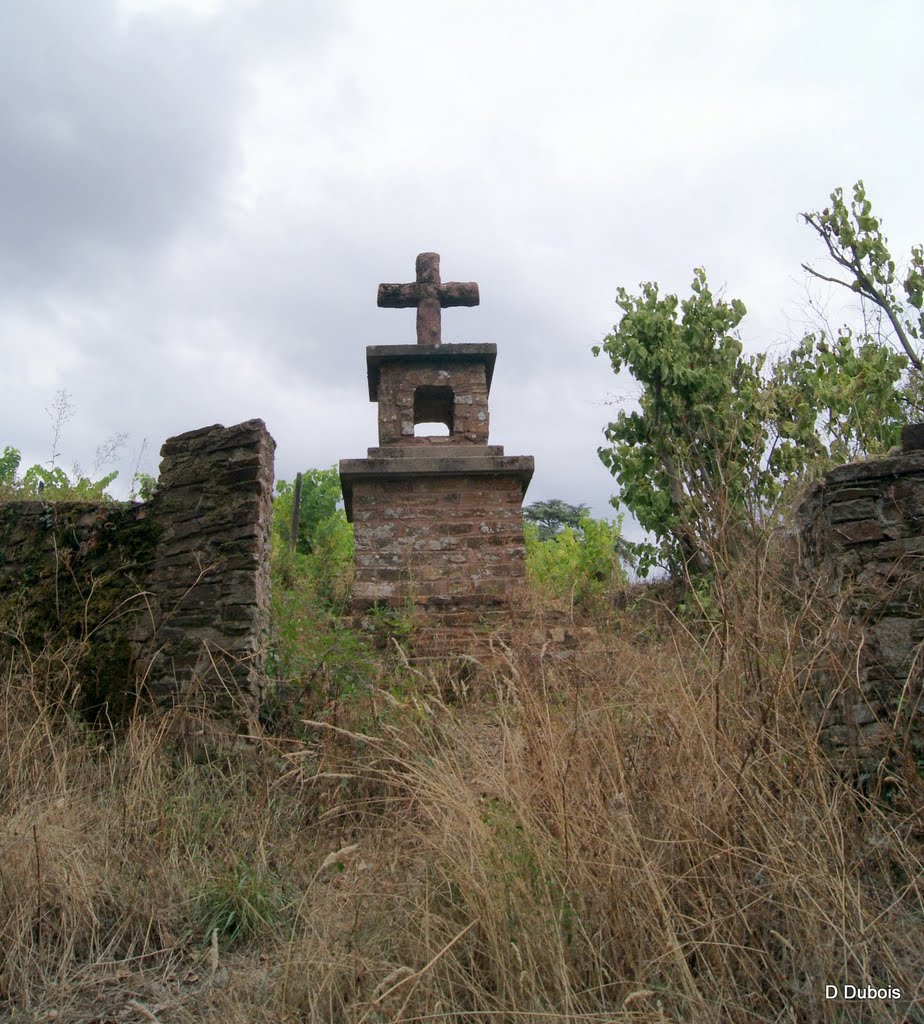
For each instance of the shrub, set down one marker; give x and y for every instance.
(579, 565)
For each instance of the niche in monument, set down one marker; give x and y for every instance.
(433, 410)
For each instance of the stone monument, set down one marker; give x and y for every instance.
(438, 519)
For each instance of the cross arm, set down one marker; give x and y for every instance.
(397, 296)
(458, 293)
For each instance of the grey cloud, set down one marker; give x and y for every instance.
(118, 132)
(189, 247)
(111, 135)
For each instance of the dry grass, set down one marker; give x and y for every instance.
(645, 833)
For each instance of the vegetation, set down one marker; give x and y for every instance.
(579, 564)
(50, 482)
(552, 516)
(646, 832)
(316, 659)
(722, 439)
(323, 548)
(854, 240)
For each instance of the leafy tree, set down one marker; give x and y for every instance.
(689, 461)
(720, 437)
(9, 464)
(324, 543)
(553, 515)
(317, 511)
(833, 400)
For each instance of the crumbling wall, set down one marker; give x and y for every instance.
(163, 597)
(208, 589)
(861, 539)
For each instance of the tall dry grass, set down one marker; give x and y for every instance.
(643, 832)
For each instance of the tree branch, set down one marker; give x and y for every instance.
(824, 277)
(899, 329)
(866, 288)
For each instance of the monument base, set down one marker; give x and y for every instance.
(437, 531)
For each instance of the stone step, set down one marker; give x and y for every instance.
(485, 641)
(482, 633)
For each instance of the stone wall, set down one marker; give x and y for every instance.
(72, 581)
(208, 589)
(861, 539)
(161, 597)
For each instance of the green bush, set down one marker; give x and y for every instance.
(323, 554)
(316, 657)
(579, 565)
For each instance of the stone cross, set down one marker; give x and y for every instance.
(429, 295)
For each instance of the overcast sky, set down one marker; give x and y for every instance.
(198, 199)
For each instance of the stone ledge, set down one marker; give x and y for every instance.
(434, 449)
(217, 437)
(465, 352)
(874, 469)
(519, 467)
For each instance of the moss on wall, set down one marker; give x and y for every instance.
(72, 585)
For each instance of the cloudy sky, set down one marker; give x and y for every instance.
(198, 198)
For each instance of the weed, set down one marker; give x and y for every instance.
(239, 905)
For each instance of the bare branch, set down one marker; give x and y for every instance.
(824, 277)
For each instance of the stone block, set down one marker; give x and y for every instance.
(861, 532)
(858, 508)
(913, 437)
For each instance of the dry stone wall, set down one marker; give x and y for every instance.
(208, 589)
(861, 538)
(168, 597)
(72, 581)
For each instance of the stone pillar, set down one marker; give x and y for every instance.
(440, 533)
(204, 629)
